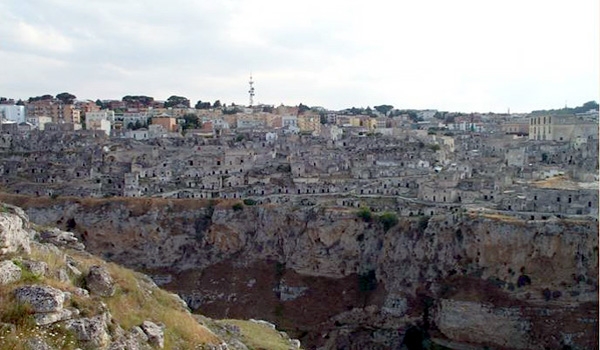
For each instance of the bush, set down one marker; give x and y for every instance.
(237, 207)
(365, 214)
(388, 220)
(423, 223)
(249, 201)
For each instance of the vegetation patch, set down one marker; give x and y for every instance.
(258, 336)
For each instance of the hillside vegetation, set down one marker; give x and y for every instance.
(54, 295)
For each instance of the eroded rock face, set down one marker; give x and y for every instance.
(99, 281)
(154, 333)
(92, 331)
(356, 281)
(14, 226)
(43, 299)
(61, 238)
(474, 322)
(9, 272)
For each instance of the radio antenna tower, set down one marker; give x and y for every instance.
(251, 91)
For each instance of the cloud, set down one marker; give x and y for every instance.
(460, 55)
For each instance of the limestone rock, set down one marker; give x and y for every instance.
(473, 321)
(155, 334)
(43, 299)
(62, 275)
(36, 343)
(100, 282)
(61, 238)
(91, 331)
(43, 319)
(13, 235)
(38, 268)
(9, 272)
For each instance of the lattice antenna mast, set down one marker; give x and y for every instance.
(251, 91)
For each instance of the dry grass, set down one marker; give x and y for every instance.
(258, 336)
(501, 217)
(136, 300)
(134, 303)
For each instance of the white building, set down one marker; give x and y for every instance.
(100, 115)
(13, 113)
(39, 122)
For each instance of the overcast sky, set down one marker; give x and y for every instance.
(459, 55)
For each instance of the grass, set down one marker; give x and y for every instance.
(135, 301)
(132, 304)
(258, 336)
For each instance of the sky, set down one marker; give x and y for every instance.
(460, 55)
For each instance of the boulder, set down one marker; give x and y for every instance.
(61, 238)
(36, 343)
(93, 332)
(155, 334)
(38, 268)
(13, 230)
(9, 272)
(99, 281)
(43, 319)
(43, 299)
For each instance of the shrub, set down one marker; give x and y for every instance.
(237, 207)
(365, 214)
(423, 223)
(388, 220)
(249, 201)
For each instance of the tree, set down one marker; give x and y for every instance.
(100, 104)
(202, 105)
(177, 101)
(384, 109)
(217, 104)
(302, 108)
(66, 98)
(191, 121)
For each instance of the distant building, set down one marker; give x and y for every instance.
(13, 113)
(562, 128)
(168, 123)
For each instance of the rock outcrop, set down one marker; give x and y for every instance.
(46, 303)
(99, 281)
(324, 273)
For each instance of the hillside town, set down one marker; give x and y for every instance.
(538, 165)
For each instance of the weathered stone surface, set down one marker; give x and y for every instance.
(38, 268)
(61, 238)
(13, 233)
(9, 272)
(43, 299)
(37, 343)
(91, 331)
(475, 322)
(155, 334)
(43, 319)
(99, 281)
(62, 275)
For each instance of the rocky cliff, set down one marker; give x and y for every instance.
(55, 295)
(337, 280)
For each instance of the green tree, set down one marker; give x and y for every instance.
(388, 220)
(302, 108)
(384, 109)
(177, 101)
(66, 98)
(217, 104)
(191, 121)
(202, 105)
